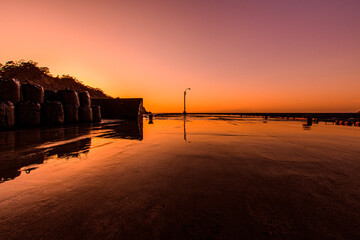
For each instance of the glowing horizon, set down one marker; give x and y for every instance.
(237, 56)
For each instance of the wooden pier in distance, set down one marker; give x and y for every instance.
(337, 118)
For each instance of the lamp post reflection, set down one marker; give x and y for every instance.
(185, 138)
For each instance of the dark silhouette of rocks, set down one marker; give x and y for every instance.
(28, 114)
(9, 90)
(7, 115)
(52, 113)
(32, 93)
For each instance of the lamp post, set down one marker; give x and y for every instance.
(185, 100)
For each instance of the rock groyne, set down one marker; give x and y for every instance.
(29, 105)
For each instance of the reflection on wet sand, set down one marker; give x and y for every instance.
(185, 137)
(21, 150)
(72, 149)
(238, 179)
(125, 129)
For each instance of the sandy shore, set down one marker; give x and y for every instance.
(208, 178)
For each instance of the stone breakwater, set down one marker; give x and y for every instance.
(29, 105)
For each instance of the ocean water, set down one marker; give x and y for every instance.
(214, 177)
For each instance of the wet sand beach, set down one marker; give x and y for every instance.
(199, 178)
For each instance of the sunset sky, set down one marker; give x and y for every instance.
(237, 56)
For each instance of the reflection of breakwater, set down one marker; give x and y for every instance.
(11, 162)
(125, 129)
(19, 150)
(71, 149)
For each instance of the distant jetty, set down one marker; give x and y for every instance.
(349, 119)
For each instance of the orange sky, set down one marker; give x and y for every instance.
(256, 55)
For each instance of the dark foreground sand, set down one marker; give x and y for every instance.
(223, 179)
